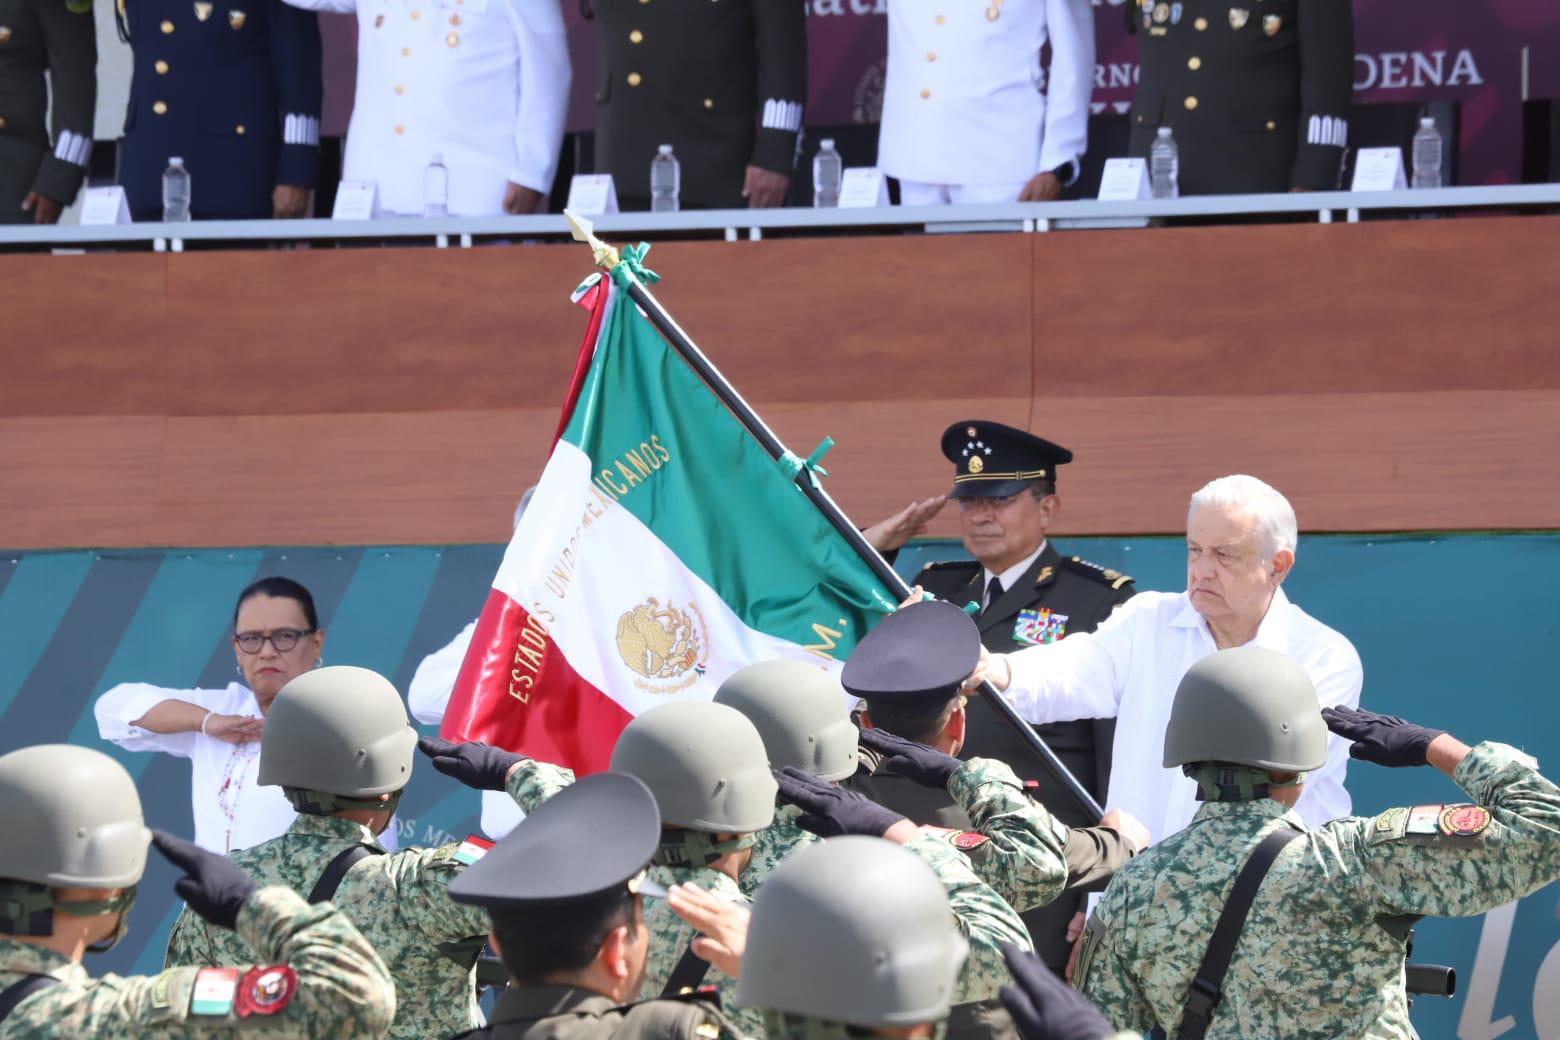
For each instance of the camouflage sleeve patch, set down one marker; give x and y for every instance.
(1459, 825)
(1093, 935)
(169, 995)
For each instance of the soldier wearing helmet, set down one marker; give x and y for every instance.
(338, 742)
(75, 851)
(1320, 950)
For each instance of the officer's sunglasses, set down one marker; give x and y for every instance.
(284, 639)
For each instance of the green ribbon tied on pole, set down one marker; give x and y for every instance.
(791, 465)
(631, 260)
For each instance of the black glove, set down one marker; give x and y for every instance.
(925, 765)
(213, 885)
(477, 765)
(1046, 1008)
(829, 811)
(1383, 739)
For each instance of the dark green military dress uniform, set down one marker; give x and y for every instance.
(1256, 91)
(721, 81)
(37, 37)
(1056, 596)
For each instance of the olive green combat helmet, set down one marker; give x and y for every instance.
(73, 820)
(799, 711)
(705, 763)
(1240, 714)
(337, 738)
(849, 934)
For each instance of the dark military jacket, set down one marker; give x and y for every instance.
(721, 81)
(57, 37)
(1256, 92)
(1055, 597)
(233, 87)
(567, 1013)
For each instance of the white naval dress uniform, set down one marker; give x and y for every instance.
(428, 697)
(963, 116)
(484, 84)
(231, 809)
(1128, 669)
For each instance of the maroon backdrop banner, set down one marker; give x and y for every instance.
(1488, 55)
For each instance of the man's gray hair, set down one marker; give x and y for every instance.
(1273, 516)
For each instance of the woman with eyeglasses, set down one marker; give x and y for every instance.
(276, 636)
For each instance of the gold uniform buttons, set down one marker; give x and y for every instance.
(2, 122)
(406, 52)
(636, 37)
(239, 129)
(452, 40)
(709, 103)
(162, 68)
(1191, 104)
(1194, 63)
(399, 89)
(166, 27)
(1271, 125)
(931, 55)
(941, 20)
(400, 129)
(160, 107)
(5, 34)
(634, 79)
(925, 93)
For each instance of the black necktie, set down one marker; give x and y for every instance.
(993, 591)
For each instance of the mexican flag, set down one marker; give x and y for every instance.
(662, 551)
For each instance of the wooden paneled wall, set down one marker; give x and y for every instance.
(1387, 376)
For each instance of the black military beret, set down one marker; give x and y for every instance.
(925, 650)
(993, 461)
(593, 836)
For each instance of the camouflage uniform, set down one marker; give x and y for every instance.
(670, 937)
(775, 843)
(343, 989)
(568, 1013)
(397, 899)
(535, 782)
(1313, 960)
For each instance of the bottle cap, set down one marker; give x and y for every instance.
(174, 160)
(827, 142)
(1427, 121)
(1164, 131)
(665, 149)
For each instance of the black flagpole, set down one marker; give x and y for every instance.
(682, 343)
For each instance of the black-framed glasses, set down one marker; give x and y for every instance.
(284, 639)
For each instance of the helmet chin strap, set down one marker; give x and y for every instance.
(783, 1025)
(28, 909)
(1224, 782)
(322, 803)
(696, 848)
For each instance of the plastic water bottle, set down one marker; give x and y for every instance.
(828, 169)
(1427, 155)
(436, 188)
(176, 192)
(1164, 166)
(665, 181)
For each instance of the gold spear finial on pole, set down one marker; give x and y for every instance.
(584, 231)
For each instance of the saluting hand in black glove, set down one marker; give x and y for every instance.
(213, 885)
(925, 765)
(829, 811)
(1383, 739)
(475, 764)
(1046, 1008)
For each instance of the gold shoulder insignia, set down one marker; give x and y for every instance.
(1114, 578)
(1045, 575)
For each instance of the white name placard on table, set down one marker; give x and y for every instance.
(1125, 180)
(1378, 169)
(863, 187)
(100, 206)
(356, 200)
(592, 194)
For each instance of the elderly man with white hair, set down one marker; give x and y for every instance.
(1240, 546)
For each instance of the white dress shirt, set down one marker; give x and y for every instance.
(429, 696)
(1129, 668)
(961, 97)
(484, 84)
(232, 811)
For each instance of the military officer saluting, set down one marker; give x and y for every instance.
(723, 83)
(1027, 593)
(75, 850)
(1256, 91)
(565, 892)
(57, 37)
(1294, 932)
(233, 88)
